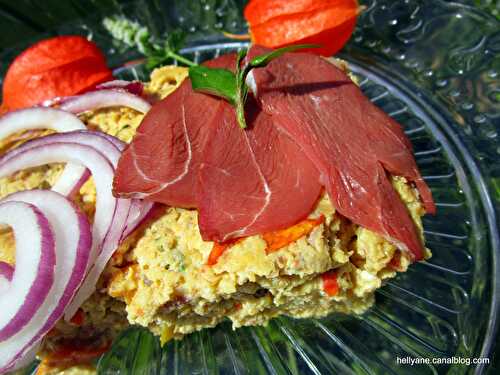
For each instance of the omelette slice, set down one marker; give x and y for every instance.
(165, 277)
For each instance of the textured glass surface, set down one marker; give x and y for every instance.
(433, 66)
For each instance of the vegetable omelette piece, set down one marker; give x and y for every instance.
(166, 278)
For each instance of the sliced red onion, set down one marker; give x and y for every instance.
(108, 145)
(41, 151)
(111, 242)
(25, 361)
(133, 87)
(109, 246)
(73, 241)
(72, 179)
(38, 118)
(116, 83)
(114, 217)
(34, 272)
(52, 102)
(103, 99)
(99, 154)
(120, 145)
(73, 176)
(139, 210)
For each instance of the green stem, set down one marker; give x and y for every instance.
(240, 113)
(229, 86)
(180, 58)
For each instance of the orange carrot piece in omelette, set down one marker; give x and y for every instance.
(280, 238)
(275, 240)
(218, 249)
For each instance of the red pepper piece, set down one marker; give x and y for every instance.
(330, 283)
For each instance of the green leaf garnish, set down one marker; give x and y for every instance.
(257, 62)
(218, 82)
(232, 87)
(263, 60)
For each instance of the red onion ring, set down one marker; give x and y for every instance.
(41, 151)
(73, 241)
(38, 118)
(116, 83)
(109, 246)
(108, 145)
(120, 145)
(114, 219)
(133, 87)
(73, 176)
(100, 155)
(103, 99)
(34, 272)
(102, 142)
(26, 359)
(139, 210)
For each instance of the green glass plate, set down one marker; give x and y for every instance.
(432, 65)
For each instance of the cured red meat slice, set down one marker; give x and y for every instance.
(315, 128)
(351, 141)
(254, 180)
(161, 163)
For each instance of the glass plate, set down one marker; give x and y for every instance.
(433, 66)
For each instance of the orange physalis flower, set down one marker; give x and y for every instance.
(60, 66)
(278, 23)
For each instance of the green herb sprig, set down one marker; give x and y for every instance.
(130, 33)
(213, 81)
(232, 86)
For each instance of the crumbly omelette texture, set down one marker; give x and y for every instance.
(159, 277)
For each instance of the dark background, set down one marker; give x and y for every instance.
(24, 19)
